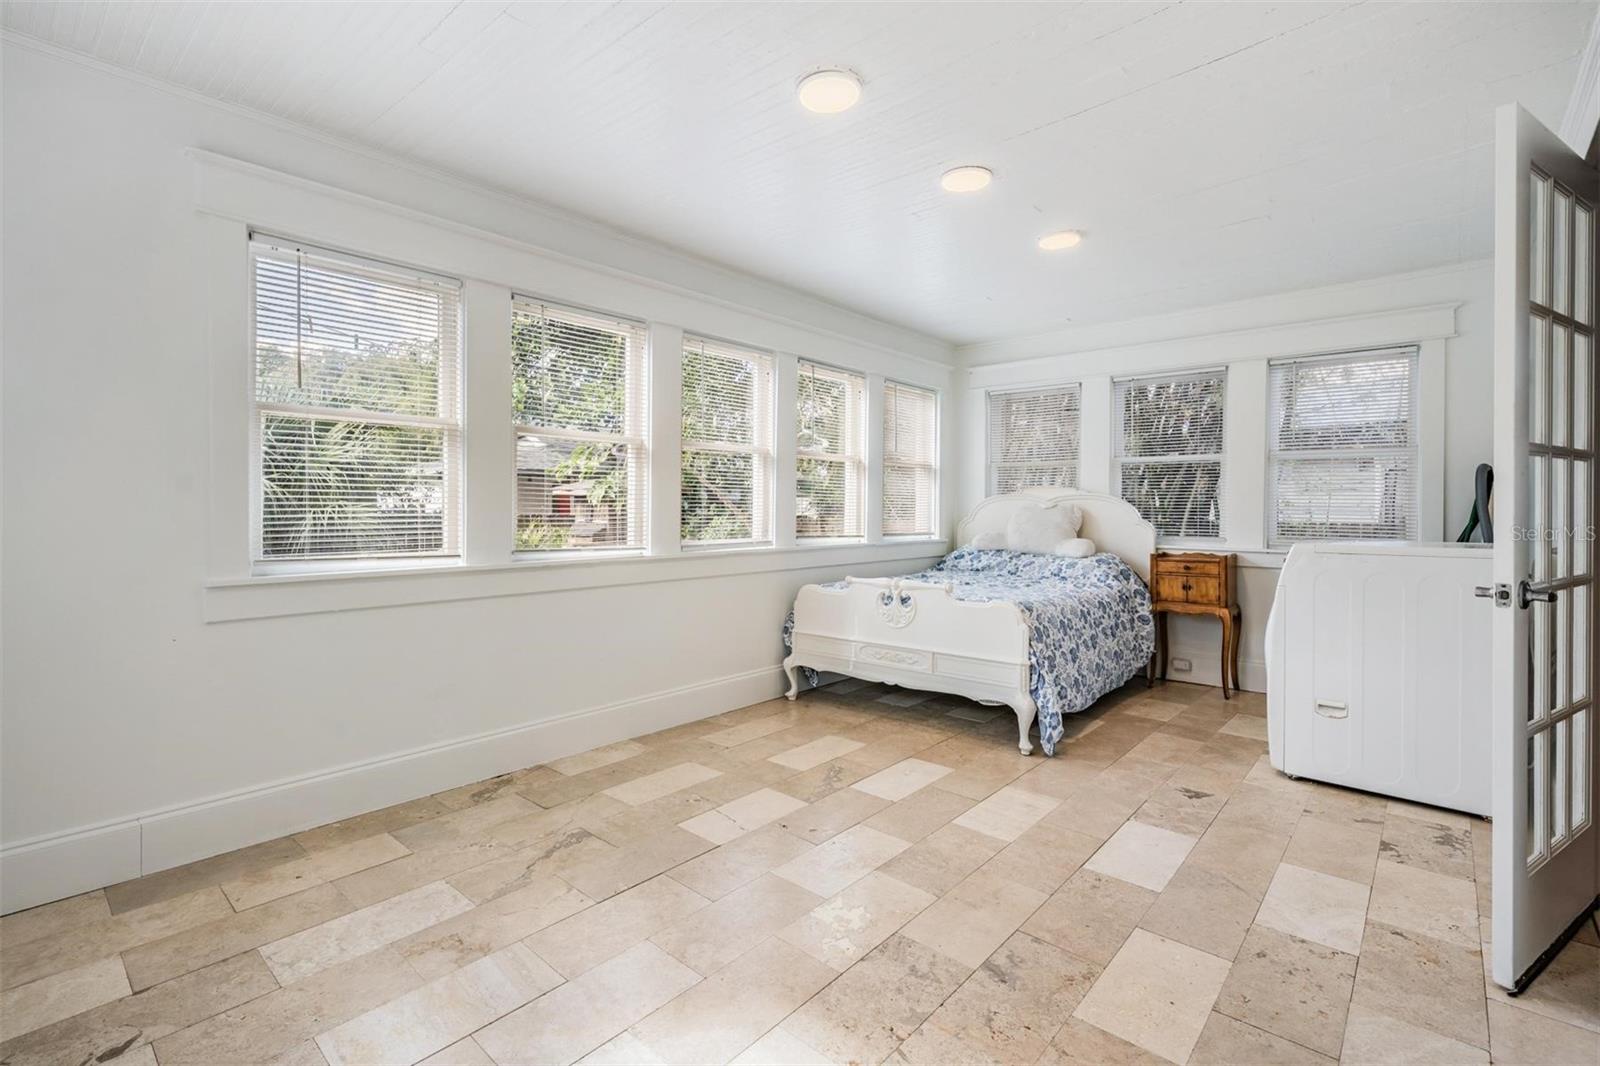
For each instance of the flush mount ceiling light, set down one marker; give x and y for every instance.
(1055, 242)
(828, 92)
(966, 179)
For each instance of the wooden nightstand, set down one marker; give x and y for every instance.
(1192, 583)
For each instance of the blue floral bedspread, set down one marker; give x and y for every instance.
(1089, 621)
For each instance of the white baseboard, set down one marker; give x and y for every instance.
(64, 864)
(1207, 669)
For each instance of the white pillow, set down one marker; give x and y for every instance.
(1078, 548)
(1044, 530)
(994, 538)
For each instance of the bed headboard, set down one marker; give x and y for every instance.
(1112, 523)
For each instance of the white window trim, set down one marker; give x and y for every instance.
(1119, 460)
(875, 418)
(854, 457)
(1416, 449)
(637, 397)
(232, 198)
(762, 450)
(992, 466)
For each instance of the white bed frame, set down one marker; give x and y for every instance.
(917, 635)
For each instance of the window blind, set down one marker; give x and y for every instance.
(1033, 438)
(726, 472)
(579, 399)
(357, 406)
(830, 452)
(1169, 450)
(1343, 449)
(910, 460)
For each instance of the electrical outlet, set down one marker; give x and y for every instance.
(1181, 666)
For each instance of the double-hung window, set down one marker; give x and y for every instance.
(1033, 438)
(726, 473)
(830, 453)
(357, 415)
(1343, 447)
(1169, 451)
(578, 399)
(910, 460)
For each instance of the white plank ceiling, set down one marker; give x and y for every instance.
(1210, 151)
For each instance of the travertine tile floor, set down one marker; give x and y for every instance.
(852, 878)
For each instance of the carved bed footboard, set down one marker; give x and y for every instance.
(915, 634)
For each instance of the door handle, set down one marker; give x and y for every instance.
(1528, 593)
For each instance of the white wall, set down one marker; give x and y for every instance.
(1446, 311)
(139, 729)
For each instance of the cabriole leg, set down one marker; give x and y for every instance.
(794, 679)
(1026, 711)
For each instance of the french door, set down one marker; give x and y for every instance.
(1546, 860)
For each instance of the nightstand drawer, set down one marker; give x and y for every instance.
(1201, 566)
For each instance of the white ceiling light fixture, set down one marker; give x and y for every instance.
(966, 179)
(828, 92)
(1055, 242)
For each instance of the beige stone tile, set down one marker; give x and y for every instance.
(863, 1015)
(1425, 982)
(603, 876)
(902, 779)
(91, 941)
(841, 860)
(1522, 1038)
(1042, 858)
(974, 918)
(384, 820)
(1246, 725)
(449, 831)
(781, 1048)
(624, 1049)
(1205, 909)
(1374, 1038)
(1335, 846)
(479, 792)
(131, 1022)
(661, 783)
(1008, 813)
(1421, 901)
(1313, 906)
(1228, 1042)
(738, 817)
(595, 758)
(817, 752)
(568, 1022)
(1080, 1044)
(61, 995)
(440, 1013)
(720, 871)
(466, 1052)
(299, 955)
(1091, 916)
(161, 960)
(1568, 990)
(552, 855)
(1432, 815)
(489, 927)
(832, 814)
(845, 928)
(721, 1016)
(1156, 993)
(715, 935)
(919, 814)
(1154, 709)
(1007, 1009)
(275, 882)
(274, 1024)
(421, 868)
(937, 862)
(190, 878)
(745, 732)
(1169, 747)
(51, 919)
(590, 937)
(1440, 848)
(1142, 855)
(1291, 988)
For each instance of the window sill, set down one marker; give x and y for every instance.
(1246, 558)
(283, 594)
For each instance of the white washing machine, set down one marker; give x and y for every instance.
(1378, 664)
